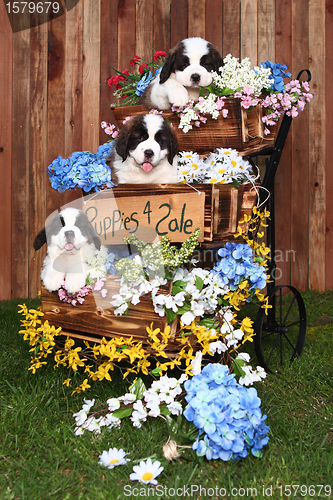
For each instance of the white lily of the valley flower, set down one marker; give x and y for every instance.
(113, 404)
(196, 363)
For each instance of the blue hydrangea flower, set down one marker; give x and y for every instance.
(237, 264)
(278, 74)
(229, 418)
(85, 170)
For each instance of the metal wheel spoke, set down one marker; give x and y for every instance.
(286, 316)
(289, 341)
(273, 348)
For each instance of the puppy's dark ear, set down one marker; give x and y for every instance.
(168, 67)
(40, 239)
(173, 145)
(217, 59)
(86, 228)
(122, 141)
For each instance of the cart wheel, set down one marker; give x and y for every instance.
(280, 334)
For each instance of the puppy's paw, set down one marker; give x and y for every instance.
(52, 280)
(74, 282)
(178, 96)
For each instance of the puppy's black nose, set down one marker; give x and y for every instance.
(69, 235)
(149, 153)
(195, 78)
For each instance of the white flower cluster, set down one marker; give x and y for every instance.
(235, 75)
(97, 263)
(131, 291)
(221, 167)
(251, 375)
(204, 301)
(162, 391)
(194, 113)
(165, 390)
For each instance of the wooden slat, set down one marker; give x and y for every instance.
(214, 22)
(317, 177)
(196, 18)
(266, 30)
(249, 27)
(162, 10)
(300, 154)
(91, 75)
(20, 160)
(126, 33)
(283, 201)
(38, 142)
(179, 21)
(109, 59)
(329, 145)
(55, 102)
(231, 28)
(144, 30)
(6, 116)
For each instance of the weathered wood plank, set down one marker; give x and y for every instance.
(248, 30)
(283, 201)
(214, 22)
(91, 75)
(231, 28)
(179, 21)
(55, 102)
(38, 142)
(329, 144)
(126, 33)
(196, 18)
(144, 29)
(300, 154)
(6, 116)
(162, 16)
(317, 159)
(20, 161)
(109, 59)
(266, 30)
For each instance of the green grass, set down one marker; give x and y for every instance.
(41, 458)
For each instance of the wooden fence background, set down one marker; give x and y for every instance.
(54, 95)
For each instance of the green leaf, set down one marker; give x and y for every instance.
(208, 323)
(176, 289)
(165, 410)
(170, 315)
(138, 388)
(123, 412)
(180, 283)
(237, 367)
(156, 371)
(199, 283)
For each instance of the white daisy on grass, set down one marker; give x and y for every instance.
(146, 472)
(113, 457)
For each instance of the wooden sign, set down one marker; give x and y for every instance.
(152, 216)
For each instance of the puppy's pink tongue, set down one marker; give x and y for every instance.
(69, 246)
(147, 166)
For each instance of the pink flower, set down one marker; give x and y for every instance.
(104, 292)
(219, 104)
(99, 284)
(238, 94)
(104, 124)
(225, 113)
(109, 129)
(197, 123)
(127, 119)
(266, 131)
(248, 90)
(246, 102)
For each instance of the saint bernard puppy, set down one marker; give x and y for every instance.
(189, 65)
(70, 239)
(146, 152)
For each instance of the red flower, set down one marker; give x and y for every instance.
(159, 54)
(144, 67)
(135, 60)
(114, 81)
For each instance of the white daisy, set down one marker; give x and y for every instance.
(146, 472)
(113, 457)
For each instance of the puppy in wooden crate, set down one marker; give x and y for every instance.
(70, 239)
(146, 152)
(189, 65)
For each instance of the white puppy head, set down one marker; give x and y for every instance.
(68, 231)
(148, 140)
(192, 61)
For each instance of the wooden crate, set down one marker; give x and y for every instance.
(242, 129)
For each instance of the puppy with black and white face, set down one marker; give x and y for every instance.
(189, 66)
(70, 239)
(146, 152)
